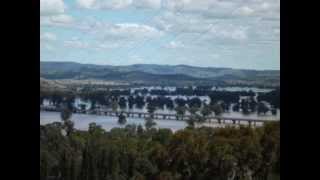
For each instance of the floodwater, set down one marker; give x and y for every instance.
(82, 121)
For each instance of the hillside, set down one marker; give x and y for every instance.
(49, 85)
(159, 74)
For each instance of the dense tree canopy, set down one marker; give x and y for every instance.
(134, 153)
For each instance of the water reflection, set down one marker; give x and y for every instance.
(82, 121)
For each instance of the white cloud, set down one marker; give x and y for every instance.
(182, 23)
(114, 4)
(104, 4)
(47, 36)
(174, 45)
(197, 27)
(52, 13)
(76, 43)
(86, 3)
(119, 4)
(244, 11)
(200, 26)
(215, 56)
(212, 8)
(120, 31)
(106, 46)
(47, 40)
(135, 30)
(228, 32)
(154, 4)
(62, 19)
(51, 7)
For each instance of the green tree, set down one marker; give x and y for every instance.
(262, 108)
(217, 109)
(114, 105)
(181, 110)
(140, 129)
(149, 123)
(131, 153)
(193, 110)
(206, 110)
(44, 165)
(122, 120)
(66, 114)
(151, 109)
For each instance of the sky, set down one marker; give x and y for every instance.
(242, 34)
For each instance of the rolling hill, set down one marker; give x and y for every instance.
(160, 74)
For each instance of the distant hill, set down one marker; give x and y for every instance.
(159, 74)
(50, 85)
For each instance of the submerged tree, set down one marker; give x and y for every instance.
(114, 105)
(217, 109)
(195, 119)
(193, 110)
(151, 109)
(149, 123)
(122, 120)
(206, 110)
(66, 115)
(181, 110)
(122, 103)
(262, 108)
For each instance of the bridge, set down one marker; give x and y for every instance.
(164, 116)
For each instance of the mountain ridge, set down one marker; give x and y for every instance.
(151, 73)
(165, 65)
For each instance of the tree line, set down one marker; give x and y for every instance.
(137, 153)
(226, 100)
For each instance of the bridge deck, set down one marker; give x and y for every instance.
(164, 116)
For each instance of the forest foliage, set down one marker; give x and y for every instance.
(136, 153)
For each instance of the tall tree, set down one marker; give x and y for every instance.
(114, 105)
(262, 108)
(149, 123)
(122, 120)
(193, 110)
(217, 109)
(66, 115)
(181, 110)
(206, 110)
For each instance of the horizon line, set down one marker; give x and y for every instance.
(159, 65)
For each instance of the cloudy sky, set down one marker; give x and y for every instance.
(217, 33)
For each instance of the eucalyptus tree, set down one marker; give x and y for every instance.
(66, 115)
(274, 111)
(180, 111)
(169, 104)
(122, 103)
(151, 109)
(122, 120)
(193, 110)
(139, 100)
(149, 123)
(262, 108)
(132, 153)
(236, 107)
(114, 105)
(194, 120)
(131, 101)
(194, 102)
(217, 109)
(206, 110)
